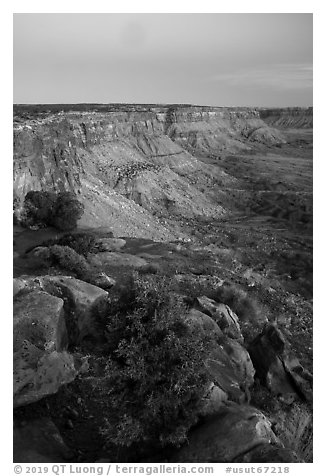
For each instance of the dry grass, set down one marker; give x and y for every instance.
(295, 429)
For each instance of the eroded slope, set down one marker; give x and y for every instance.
(133, 169)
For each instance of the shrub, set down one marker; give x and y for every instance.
(65, 258)
(155, 377)
(295, 430)
(60, 210)
(150, 268)
(82, 243)
(39, 207)
(67, 211)
(246, 307)
(68, 258)
(252, 314)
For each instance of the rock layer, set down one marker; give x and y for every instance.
(131, 164)
(290, 117)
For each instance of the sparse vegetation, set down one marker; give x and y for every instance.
(66, 258)
(150, 268)
(155, 374)
(295, 430)
(246, 307)
(82, 243)
(67, 211)
(60, 210)
(38, 208)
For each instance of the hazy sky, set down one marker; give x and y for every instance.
(209, 59)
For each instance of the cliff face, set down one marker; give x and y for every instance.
(134, 167)
(219, 129)
(291, 117)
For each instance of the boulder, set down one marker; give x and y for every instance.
(18, 285)
(203, 323)
(102, 280)
(38, 374)
(27, 283)
(269, 454)
(212, 401)
(277, 367)
(82, 299)
(223, 437)
(116, 259)
(41, 364)
(300, 376)
(39, 441)
(39, 318)
(227, 320)
(241, 361)
(231, 370)
(229, 363)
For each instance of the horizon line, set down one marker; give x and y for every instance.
(152, 104)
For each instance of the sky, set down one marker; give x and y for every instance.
(232, 59)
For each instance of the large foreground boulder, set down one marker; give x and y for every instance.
(40, 361)
(229, 363)
(18, 285)
(231, 370)
(39, 441)
(212, 401)
(39, 318)
(277, 367)
(233, 431)
(227, 320)
(38, 374)
(269, 454)
(81, 299)
(203, 323)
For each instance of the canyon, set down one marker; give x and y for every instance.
(133, 168)
(210, 198)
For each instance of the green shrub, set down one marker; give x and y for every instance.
(67, 211)
(39, 207)
(245, 306)
(68, 259)
(155, 377)
(82, 243)
(61, 210)
(295, 429)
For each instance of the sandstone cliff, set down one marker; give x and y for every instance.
(134, 166)
(290, 117)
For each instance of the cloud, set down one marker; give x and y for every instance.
(279, 76)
